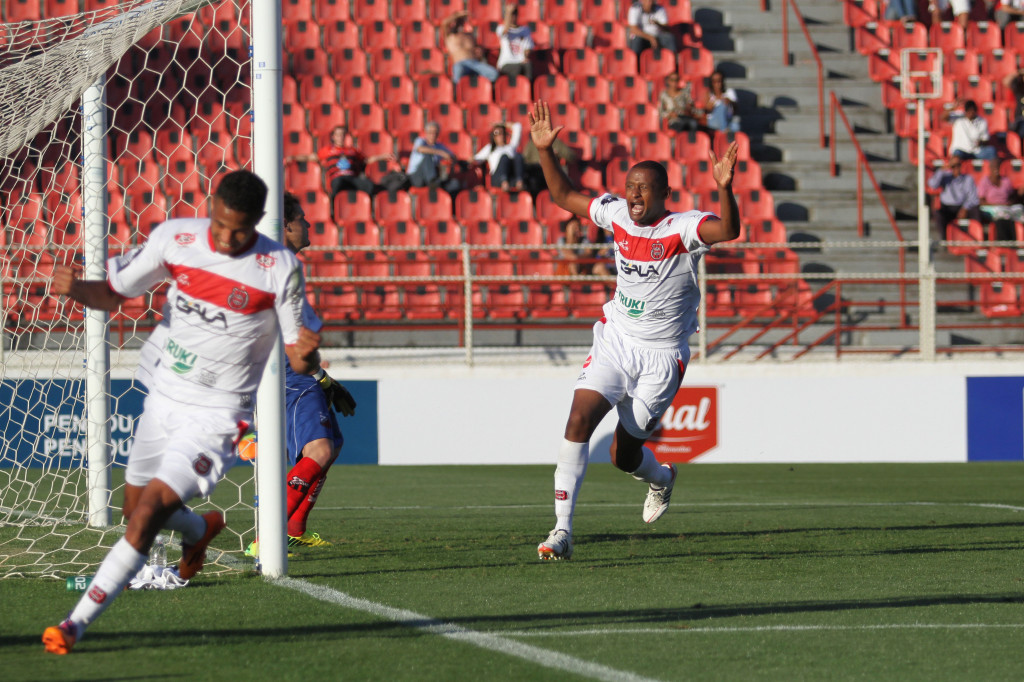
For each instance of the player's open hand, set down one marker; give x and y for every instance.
(721, 168)
(64, 278)
(541, 131)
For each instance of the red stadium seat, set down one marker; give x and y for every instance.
(959, 64)
(440, 9)
(514, 206)
(302, 34)
(678, 11)
(432, 204)
(581, 143)
(948, 35)
(370, 10)
(547, 211)
(24, 10)
(435, 88)
(628, 90)
(324, 233)
(619, 61)
(409, 10)
(525, 232)
(883, 65)
(586, 300)
(612, 144)
(358, 90)
(984, 36)
(747, 175)
(653, 145)
(481, 117)
(472, 89)
(483, 233)
(552, 88)
(601, 117)
(571, 35)
(423, 301)
(349, 61)
(641, 118)
(609, 35)
(365, 117)
(589, 177)
(333, 10)
(872, 37)
(560, 11)
(615, 173)
(484, 11)
(446, 115)
(341, 34)
(426, 61)
(442, 233)
(387, 61)
(405, 116)
(580, 63)
(359, 233)
(379, 33)
(593, 90)
(657, 65)
(509, 90)
(402, 233)
(692, 145)
(391, 206)
(474, 205)
(495, 264)
(351, 205)
(768, 231)
(317, 89)
(395, 89)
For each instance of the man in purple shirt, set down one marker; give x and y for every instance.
(959, 196)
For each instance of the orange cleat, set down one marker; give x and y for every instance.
(192, 556)
(59, 639)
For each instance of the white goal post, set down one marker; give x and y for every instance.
(113, 120)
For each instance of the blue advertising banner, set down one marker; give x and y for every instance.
(42, 422)
(995, 419)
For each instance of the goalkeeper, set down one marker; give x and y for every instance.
(313, 438)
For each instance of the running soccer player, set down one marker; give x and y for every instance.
(314, 439)
(232, 291)
(640, 348)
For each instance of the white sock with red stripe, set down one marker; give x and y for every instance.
(572, 465)
(120, 566)
(651, 471)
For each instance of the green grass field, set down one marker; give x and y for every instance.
(757, 572)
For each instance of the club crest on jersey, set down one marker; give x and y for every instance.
(184, 238)
(238, 298)
(265, 261)
(202, 465)
(634, 306)
(97, 595)
(657, 250)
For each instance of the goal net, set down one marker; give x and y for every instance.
(175, 76)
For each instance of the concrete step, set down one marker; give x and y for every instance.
(816, 175)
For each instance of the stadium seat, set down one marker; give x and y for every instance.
(495, 264)
(51, 8)
(182, 176)
(640, 118)
(435, 88)
(378, 32)
(391, 206)
(302, 35)
(609, 35)
(612, 144)
(580, 63)
(364, 117)
(883, 65)
(571, 35)
(959, 64)
(514, 206)
(509, 90)
(397, 89)
(341, 34)
(317, 89)
(484, 11)
(358, 232)
(525, 232)
(446, 115)
(592, 90)
(324, 233)
(423, 302)
(657, 65)
(370, 10)
(872, 37)
(402, 233)
(405, 116)
(351, 205)
(588, 176)
(357, 90)
(505, 302)
(627, 90)
(948, 35)
(619, 61)
(767, 231)
(547, 212)
(338, 303)
(139, 176)
(439, 9)
(442, 233)
(387, 61)
(586, 300)
(474, 205)
(431, 204)
(472, 89)
(679, 11)
(147, 210)
(25, 222)
(481, 117)
(580, 142)
(615, 174)
(426, 61)
(416, 36)
(552, 88)
(692, 145)
(561, 11)
(349, 61)
(984, 36)
(601, 117)
(696, 62)
(333, 10)
(457, 141)
(483, 233)
(857, 13)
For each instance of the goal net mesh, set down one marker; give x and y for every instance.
(178, 100)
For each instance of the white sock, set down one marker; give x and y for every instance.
(651, 471)
(572, 465)
(120, 566)
(188, 523)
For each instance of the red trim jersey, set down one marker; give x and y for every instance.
(224, 311)
(656, 294)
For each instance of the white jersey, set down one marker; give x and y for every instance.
(656, 295)
(223, 312)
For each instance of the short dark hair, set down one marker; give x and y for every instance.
(292, 207)
(660, 174)
(242, 190)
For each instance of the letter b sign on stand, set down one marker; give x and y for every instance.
(689, 427)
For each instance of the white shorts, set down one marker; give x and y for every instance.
(188, 447)
(639, 382)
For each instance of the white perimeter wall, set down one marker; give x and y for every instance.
(799, 412)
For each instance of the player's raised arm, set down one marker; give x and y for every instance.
(543, 134)
(728, 227)
(304, 354)
(90, 293)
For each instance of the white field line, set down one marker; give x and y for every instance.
(492, 642)
(697, 505)
(760, 628)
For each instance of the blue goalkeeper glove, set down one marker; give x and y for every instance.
(336, 393)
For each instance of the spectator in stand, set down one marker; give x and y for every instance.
(958, 198)
(466, 55)
(648, 28)
(343, 163)
(970, 132)
(580, 261)
(1009, 10)
(675, 105)
(961, 10)
(427, 167)
(533, 175)
(901, 10)
(1014, 82)
(504, 162)
(515, 45)
(1000, 202)
(720, 106)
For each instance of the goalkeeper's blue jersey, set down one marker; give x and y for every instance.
(294, 381)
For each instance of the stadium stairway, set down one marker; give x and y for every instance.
(778, 105)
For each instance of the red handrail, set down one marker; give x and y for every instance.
(814, 53)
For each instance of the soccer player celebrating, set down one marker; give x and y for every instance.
(232, 290)
(640, 348)
(314, 439)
